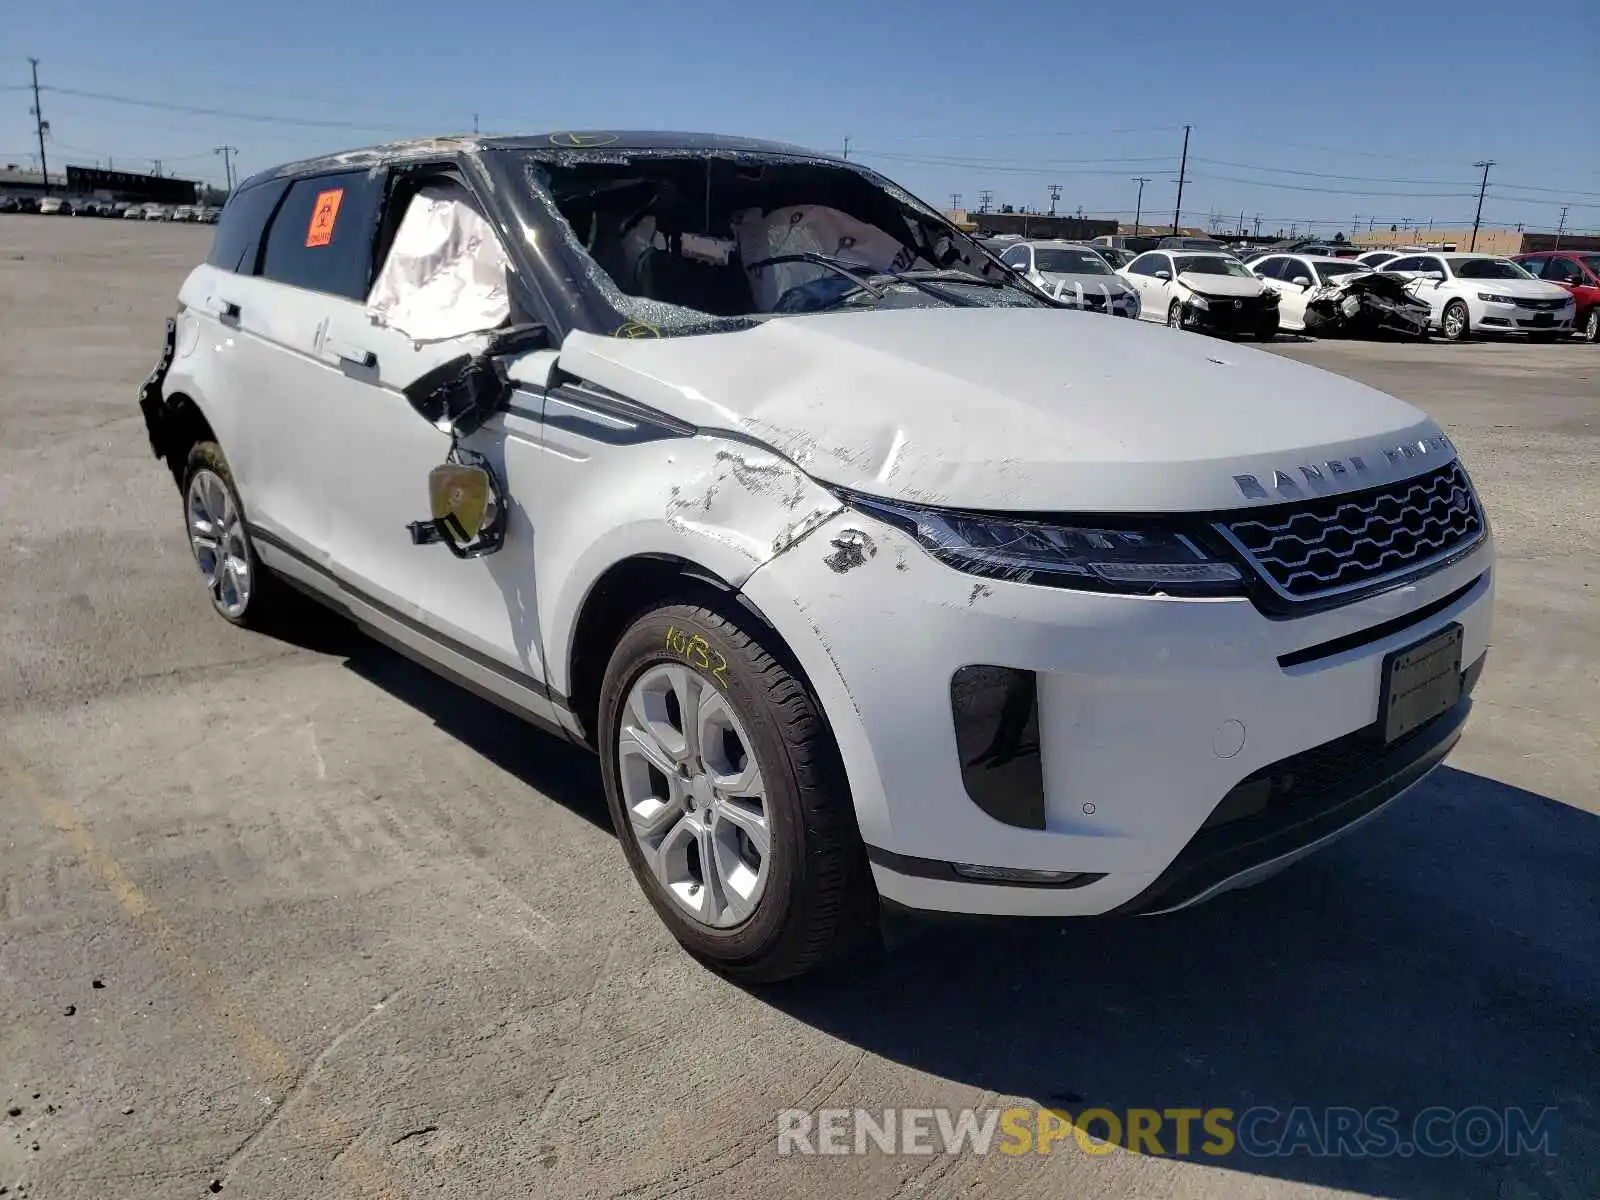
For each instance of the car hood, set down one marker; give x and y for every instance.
(1020, 409)
(1527, 289)
(1221, 285)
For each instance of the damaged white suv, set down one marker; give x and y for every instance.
(870, 573)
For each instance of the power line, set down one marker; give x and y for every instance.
(227, 114)
(1327, 191)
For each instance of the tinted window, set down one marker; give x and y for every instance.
(1533, 266)
(321, 238)
(1434, 264)
(1063, 261)
(238, 238)
(1561, 270)
(1016, 257)
(1270, 268)
(1334, 270)
(1147, 264)
(1404, 264)
(1489, 268)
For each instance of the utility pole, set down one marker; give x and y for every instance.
(847, 146)
(155, 164)
(955, 201)
(41, 126)
(1561, 227)
(1258, 225)
(1138, 204)
(1482, 187)
(227, 153)
(474, 122)
(1183, 169)
(985, 198)
(1055, 194)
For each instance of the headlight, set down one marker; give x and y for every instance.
(1199, 302)
(1491, 298)
(1043, 552)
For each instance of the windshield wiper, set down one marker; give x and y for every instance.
(947, 275)
(860, 276)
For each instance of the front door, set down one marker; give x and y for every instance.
(478, 616)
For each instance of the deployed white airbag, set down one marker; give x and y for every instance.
(809, 229)
(445, 275)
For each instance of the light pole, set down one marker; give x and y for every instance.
(1482, 187)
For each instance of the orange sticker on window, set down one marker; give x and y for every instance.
(323, 215)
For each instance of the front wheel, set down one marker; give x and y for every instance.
(728, 795)
(1591, 326)
(1175, 314)
(1455, 324)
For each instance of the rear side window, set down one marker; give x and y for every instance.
(239, 229)
(322, 237)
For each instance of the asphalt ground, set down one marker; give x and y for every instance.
(290, 918)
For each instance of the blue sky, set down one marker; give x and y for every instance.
(1299, 111)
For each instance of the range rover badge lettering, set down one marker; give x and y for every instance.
(1316, 476)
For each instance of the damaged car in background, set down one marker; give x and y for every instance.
(1207, 292)
(1338, 296)
(677, 446)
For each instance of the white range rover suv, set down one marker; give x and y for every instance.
(871, 574)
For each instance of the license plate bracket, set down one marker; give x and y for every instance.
(1419, 682)
(1544, 318)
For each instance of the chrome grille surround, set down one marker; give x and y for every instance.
(1320, 547)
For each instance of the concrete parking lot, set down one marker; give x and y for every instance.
(289, 918)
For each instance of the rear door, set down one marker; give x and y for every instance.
(316, 252)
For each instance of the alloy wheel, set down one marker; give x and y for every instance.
(217, 536)
(694, 795)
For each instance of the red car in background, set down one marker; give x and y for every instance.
(1579, 272)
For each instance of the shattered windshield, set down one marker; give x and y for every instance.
(1055, 260)
(701, 241)
(1489, 268)
(1212, 264)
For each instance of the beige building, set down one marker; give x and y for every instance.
(1490, 241)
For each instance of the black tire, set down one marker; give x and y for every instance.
(1547, 338)
(1264, 334)
(1591, 326)
(818, 892)
(266, 594)
(1175, 314)
(1463, 326)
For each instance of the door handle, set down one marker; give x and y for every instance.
(227, 310)
(351, 353)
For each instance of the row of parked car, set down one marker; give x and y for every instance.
(1196, 284)
(89, 206)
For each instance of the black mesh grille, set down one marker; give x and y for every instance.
(1329, 545)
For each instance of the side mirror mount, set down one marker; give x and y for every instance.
(459, 395)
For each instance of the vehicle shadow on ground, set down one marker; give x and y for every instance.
(555, 768)
(1446, 954)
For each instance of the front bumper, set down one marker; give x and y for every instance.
(1150, 712)
(1229, 317)
(1490, 317)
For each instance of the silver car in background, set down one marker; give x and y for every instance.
(1073, 274)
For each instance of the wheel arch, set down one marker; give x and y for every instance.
(617, 596)
(178, 426)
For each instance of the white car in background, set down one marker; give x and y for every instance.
(1376, 258)
(1472, 294)
(1324, 295)
(1074, 275)
(1203, 290)
(54, 206)
(157, 212)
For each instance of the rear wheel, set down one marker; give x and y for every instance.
(240, 589)
(1591, 325)
(1454, 323)
(728, 796)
